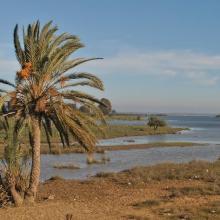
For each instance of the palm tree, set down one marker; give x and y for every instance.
(14, 177)
(45, 91)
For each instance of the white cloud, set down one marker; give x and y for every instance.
(199, 68)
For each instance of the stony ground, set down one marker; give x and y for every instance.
(167, 191)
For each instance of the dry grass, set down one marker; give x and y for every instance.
(195, 194)
(195, 170)
(66, 166)
(113, 131)
(126, 117)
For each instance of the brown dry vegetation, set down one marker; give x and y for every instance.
(167, 191)
(150, 145)
(57, 149)
(66, 166)
(127, 117)
(113, 131)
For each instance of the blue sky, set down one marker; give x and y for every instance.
(159, 55)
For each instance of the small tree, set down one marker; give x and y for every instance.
(114, 111)
(156, 122)
(85, 109)
(106, 106)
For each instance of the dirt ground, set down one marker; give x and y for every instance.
(126, 196)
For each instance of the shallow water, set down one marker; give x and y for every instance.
(121, 160)
(203, 129)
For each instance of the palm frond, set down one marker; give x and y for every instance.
(18, 50)
(46, 89)
(6, 82)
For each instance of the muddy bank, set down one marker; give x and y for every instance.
(150, 145)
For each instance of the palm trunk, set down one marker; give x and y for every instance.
(18, 200)
(35, 167)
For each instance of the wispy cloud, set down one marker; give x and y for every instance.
(203, 69)
(197, 67)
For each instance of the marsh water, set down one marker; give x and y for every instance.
(202, 129)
